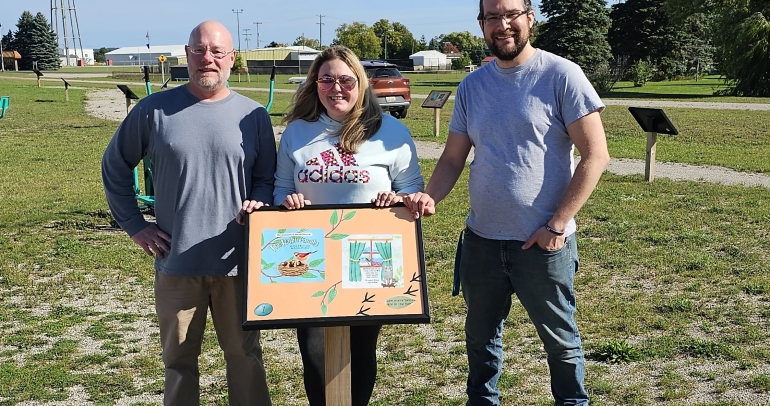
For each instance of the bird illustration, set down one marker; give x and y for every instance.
(303, 256)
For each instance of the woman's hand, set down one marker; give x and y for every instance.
(385, 199)
(247, 207)
(295, 201)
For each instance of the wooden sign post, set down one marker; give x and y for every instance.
(436, 100)
(334, 266)
(130, 95)
(37, 72)
(337, 358)
(652, 121)
(66, 90)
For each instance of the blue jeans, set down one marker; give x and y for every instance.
(491, 271)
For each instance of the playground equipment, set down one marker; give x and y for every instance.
(4, 102)
(147, 199)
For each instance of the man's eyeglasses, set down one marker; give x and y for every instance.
(325, 83)
(216, 53)
(509, 16)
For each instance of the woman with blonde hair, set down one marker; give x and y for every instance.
(338, 148)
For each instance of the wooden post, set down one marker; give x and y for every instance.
(652, 146)
(337, 357)
(38, 81)
(128, 105)
(436, 121)
(66, 93)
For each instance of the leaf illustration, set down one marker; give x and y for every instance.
(399, 302)
(323, 309)
(332, 295)
(272, 281)
(302, 230)
(264, 264)
(262, 244)
(333, 220)
(338, 236)
(307, 275)
(318, 294)
(270, 265)
(316, 262)
(281, 231)
(349, 215)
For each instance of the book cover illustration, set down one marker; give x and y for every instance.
(293, 255)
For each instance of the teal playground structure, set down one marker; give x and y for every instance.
(146, 198)
(5, 101)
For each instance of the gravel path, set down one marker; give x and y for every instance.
(110, 105)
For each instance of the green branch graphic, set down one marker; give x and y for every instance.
(330, 294)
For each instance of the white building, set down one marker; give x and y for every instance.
(142, 56)
(77, 54)
(428, 60)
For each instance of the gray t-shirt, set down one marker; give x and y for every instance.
(207, 158)
(517, 121)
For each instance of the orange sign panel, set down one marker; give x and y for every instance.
(334, 266)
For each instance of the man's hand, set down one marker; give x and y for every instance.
(545, 239)
(420, 204)
(295, 201)
(385, 199)
(153, 241)
(247, 207)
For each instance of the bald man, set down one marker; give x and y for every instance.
(213, 158)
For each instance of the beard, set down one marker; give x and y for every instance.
(209, 83)
(508, 53)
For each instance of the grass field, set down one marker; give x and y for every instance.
(673, 290)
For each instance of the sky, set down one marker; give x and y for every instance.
(114, 24)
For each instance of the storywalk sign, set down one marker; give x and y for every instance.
(334, 265)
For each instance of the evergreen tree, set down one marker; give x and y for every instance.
(740, 33)
(576, 30)
(642, 31)
(35, 41)
(7, 41)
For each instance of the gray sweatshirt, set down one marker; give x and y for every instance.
(207, 158)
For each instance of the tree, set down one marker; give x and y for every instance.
(99, 55)
(307, 42)
(274, 44)
(449, 48)
(641, 30)
(576, 30)
(740, 34)
(36, 42)
(399, 40)
(360, 38)
(435, 44)
(461, 62)
(464, 41)
(7, 40)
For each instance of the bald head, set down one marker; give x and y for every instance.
(213, 32)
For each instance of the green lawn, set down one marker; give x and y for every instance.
(673, 289)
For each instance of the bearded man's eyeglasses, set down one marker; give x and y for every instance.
(325, 83)
(216, 53)
(509, 16)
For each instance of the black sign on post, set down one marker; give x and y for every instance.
(652, 121)
(436, 100)
(66, 90)
(37, 72)
(130, 95)
(165, 84)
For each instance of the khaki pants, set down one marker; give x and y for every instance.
(181, 303)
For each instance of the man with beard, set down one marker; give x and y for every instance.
(524, 113)
(213, 159)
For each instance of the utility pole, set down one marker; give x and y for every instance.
(385, 36)
(320, 32)
(238, 19)
(257, 24)
(247, 35)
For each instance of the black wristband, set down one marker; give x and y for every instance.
(559, 233)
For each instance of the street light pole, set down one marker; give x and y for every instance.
(238, 19)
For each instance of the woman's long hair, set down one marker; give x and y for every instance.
(361, 122)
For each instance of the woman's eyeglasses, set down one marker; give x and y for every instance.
(326, 83)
